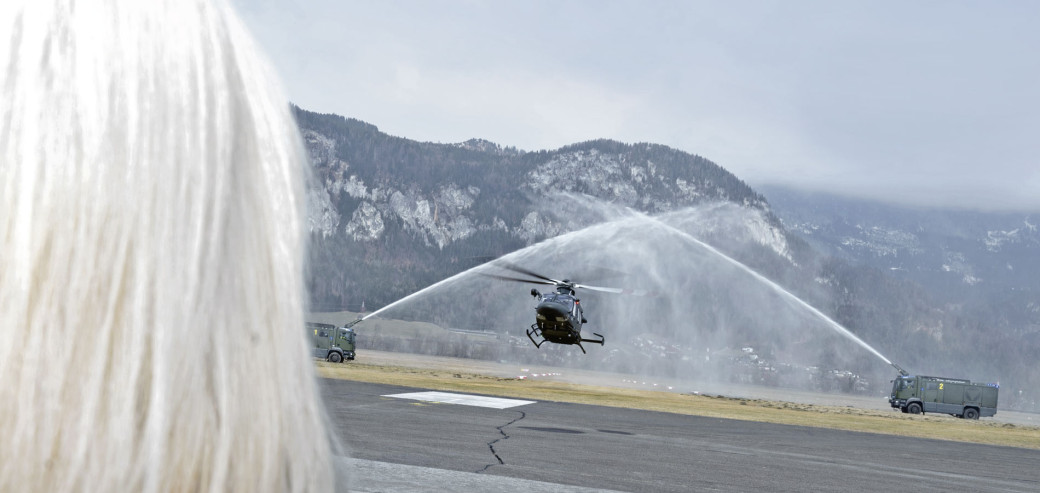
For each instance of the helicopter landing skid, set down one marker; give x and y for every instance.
(599, 341)
(535, 331)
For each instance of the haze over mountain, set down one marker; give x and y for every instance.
(390, 216)
(959, 255)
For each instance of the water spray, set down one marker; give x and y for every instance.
(671, 230)
(413, 295)
(458, 276)
(776, 287)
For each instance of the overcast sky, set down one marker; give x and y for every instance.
(932, 103)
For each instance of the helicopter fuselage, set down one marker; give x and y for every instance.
(559, 318)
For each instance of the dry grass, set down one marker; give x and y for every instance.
(834, 417)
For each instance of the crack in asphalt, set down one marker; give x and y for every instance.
(491, 444)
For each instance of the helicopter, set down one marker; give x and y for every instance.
(558, 314)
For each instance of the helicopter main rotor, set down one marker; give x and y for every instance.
(540, 279)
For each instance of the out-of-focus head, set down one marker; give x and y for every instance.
(151, 255)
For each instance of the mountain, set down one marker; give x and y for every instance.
(945, 248)
(412, 210)
(985, 263)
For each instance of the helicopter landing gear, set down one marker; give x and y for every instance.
(600, 341)
(534, 331)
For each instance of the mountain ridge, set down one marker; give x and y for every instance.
(372, 186)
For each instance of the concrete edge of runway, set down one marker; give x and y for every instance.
(386, 477)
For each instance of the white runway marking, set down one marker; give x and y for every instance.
(462, 399)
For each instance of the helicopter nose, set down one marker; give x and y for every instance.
(551, 312)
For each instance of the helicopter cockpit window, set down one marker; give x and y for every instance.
(562, 299)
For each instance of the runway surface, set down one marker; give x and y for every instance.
(402, 443)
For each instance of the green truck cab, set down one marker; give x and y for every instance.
(331, 343)
(916, 394)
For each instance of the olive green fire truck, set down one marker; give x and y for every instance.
(916, 394)
(331, 343)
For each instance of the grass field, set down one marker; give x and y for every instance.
(836, 417)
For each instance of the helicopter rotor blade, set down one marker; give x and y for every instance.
(517, 279)
(599, 288)
(517, 268)
(632, 292)
(555, 282)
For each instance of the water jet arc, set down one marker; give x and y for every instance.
(417, 293)
(776, 287)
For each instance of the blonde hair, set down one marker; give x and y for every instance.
(152, 256)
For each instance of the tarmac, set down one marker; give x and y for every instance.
(400, 439)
